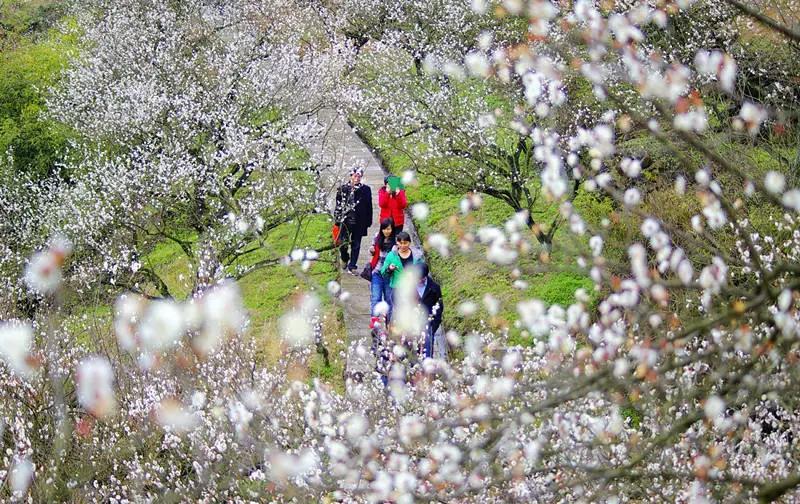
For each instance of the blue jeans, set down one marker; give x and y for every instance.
(379, 290)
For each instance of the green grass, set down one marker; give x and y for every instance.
(31, 64)
(469, 277)
(91, 326)
(633, 416)
(171, 264)
(266, 293)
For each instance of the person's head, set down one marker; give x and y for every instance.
(403, 241)
(387, 227)
(423, 270)
(355, 175)
(386, 180)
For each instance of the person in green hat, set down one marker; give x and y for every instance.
(393, 202)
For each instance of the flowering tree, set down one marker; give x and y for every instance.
(673, 381)
(443, 115)
(193, 135)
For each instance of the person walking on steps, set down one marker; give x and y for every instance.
(430, 297)
(401, 257)
(393, 202)
(381, 246)
(353, 215)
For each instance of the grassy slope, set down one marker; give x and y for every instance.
(266, 292)
(468, 277)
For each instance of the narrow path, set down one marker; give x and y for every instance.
(337, 150)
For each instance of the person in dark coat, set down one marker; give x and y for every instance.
(353, 215)
(430, 297)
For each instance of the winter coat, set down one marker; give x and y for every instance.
(394, 258)
(392, 205)
(433, 303)
(380, 250)
(354, 208)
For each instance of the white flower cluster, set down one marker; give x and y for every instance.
(718, 64)
(298, 327)
(16, 343)
(94, 379)
(150, 328)
(43, 272)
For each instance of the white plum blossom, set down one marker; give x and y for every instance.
(714, 276)
(791, 199)
(685, 271)
(477, 64)
(297, 327)
(680, 185)
(775, 182)
(381, 308)
(500, 252)
(174, 417)
(714, 213)
(222, 314)
(467, 308)
(161, 327)
(20, 476)
(631, 167)
(750, 117)
(714, 408)
(719, 65)
(596, 244)
(127, 312)
(407, 316)
(43, 272)
(420, 211)
(16, 343)
(695, 120)
(632, 197)
(439, 243)
(533, 315)
(94, 379)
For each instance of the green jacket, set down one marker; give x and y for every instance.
(394, 258)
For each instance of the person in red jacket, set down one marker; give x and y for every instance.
(393, 205)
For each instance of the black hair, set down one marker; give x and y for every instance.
(423, 269)
(403, 236)
(387, 222)
(386, 180)
(386, 242)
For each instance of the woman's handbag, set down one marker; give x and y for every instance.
(366, 273)
(335, 232)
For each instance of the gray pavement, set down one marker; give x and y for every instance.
(337, 149)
